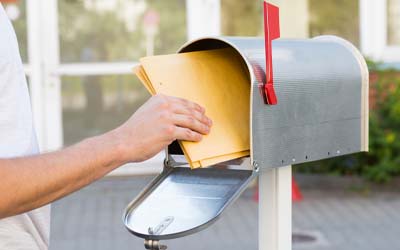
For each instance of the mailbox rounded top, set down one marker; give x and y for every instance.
(209, 43)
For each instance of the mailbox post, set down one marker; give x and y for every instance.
(275, 209)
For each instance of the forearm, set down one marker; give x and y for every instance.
(31, 182)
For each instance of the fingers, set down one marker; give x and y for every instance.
(191, 122)
(188, 104)
(186, 134)
(188, 119)
(188, 108)
(182, 110)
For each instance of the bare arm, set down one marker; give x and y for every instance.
(30, 182)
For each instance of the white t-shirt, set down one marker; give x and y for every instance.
(17, 138)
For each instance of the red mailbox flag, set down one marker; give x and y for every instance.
(271, 32)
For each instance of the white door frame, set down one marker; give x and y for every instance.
(43, 54)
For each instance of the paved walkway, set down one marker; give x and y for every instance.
(91, 220)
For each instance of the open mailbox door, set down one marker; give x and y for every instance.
(322, 88)
(181, 201)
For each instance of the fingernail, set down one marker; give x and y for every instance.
(210, 122)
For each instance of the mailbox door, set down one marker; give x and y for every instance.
(181, 201)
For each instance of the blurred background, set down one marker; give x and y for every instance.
(78, 56)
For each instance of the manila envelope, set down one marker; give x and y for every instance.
(219, 81)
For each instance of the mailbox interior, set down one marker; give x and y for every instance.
(199, 45)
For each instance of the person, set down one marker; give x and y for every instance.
(31, 181)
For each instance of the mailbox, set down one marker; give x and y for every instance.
(321, 85)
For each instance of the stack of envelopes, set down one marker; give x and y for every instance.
(219, 81)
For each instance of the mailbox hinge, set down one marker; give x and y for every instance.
(154, 245)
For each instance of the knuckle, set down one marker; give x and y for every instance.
(202, 121)
(197, 137)
(192, 136)
(197, 106)
(164, 103)
(188, 104)
(191, 121)
(164, 115)
(188, 133)
(169, 130)
(203, 117)
(183, 100)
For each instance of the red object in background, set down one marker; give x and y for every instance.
(296, 193)
(8, 1)
(256, 194)
(271, 32)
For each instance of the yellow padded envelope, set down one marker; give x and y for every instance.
(215, 79)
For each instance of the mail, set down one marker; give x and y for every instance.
(219, 81)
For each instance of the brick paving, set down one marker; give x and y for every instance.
(91, 219)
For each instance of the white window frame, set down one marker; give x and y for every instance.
(373, 32)
(45, 69)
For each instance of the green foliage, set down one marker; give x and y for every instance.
(382, 162)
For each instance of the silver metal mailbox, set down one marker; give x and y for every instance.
(322, 90)
(322, 112)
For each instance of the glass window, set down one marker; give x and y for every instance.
(241, 18)
(16, 11)
(393, 22)
(335, 17)
(95, 104)
(120, 30)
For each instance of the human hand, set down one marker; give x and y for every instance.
(156, 124)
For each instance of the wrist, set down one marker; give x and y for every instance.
(117, 146)
(109, 146)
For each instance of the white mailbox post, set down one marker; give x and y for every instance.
(275, 209)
